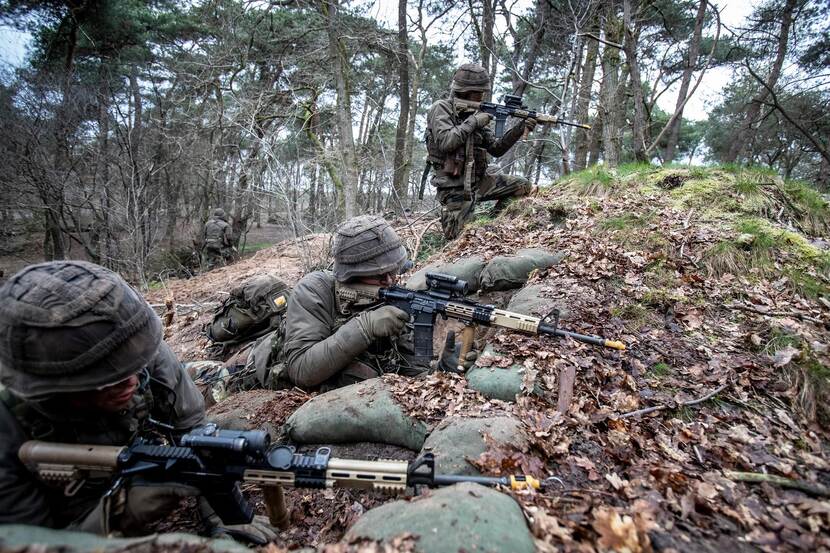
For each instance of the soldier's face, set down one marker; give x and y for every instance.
(109, 399)
(473, 96)
(388, 279)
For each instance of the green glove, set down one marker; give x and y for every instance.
(449, 356)
(383, 322)
(256, 532)
(136, 507)
(480, 119)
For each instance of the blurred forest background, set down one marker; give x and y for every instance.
(130, 120)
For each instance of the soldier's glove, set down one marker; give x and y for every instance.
(256, 532)
(136, 507)
(383, 322)
(449, 357)
(480, 119)
(530, 124)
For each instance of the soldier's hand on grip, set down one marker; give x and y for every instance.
(530, 124)
(383, 322)
(481, 119)
(449, 361)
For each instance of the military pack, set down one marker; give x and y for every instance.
(253, 309)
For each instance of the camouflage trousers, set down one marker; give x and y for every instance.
(216, 256)
(456, 210)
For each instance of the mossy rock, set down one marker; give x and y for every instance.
(458, 439)
(465, 517)
(466, 268)
(36, 538)
(362, 412)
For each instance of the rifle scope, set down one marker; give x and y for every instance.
(440, 282)
(242, 441)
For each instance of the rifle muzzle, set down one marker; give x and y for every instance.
(34, 454)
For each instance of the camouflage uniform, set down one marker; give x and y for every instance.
(331, 342)
(451, 135)
(73, 327)
(218, 247)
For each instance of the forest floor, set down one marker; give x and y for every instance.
(708, 434)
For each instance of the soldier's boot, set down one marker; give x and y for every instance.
(452, 221)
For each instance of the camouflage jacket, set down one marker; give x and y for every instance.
(169, 397)
(324, 346)
(217, 233)
(447, 134)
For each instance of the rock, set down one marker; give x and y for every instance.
(466, 268)
(362, 412)
(457, 439)
(22, 536)
(464, 517)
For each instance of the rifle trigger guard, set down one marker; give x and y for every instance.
(555, 314)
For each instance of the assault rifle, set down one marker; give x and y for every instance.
(512, 107)
(445, 296)
(215, 461)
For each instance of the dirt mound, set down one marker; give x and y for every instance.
(709, 433)
(192, 301)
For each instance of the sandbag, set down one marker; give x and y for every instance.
(464, 517)
(529, 301)
(508, 272)
(457, 439)
(362, 412)
(495, 382)
(37, 538)
(466, 268)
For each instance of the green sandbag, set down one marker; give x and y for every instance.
(466, 268)
(508, 272)
(457, 439)
(362, 412)
(496, 382)
(464, 517)
(14, 536)
(529, 301)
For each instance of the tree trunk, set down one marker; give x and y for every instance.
(348, 203)
(610, 91)
(639, 124)
(400, 179)
(745, 132)
(691, 63)
(582, 136)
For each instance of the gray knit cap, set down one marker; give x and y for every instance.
(366, 246)
(71, 326)
(470, 77)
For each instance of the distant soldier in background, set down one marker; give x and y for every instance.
(457, 145)
(218, 246)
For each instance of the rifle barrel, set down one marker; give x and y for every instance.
(595, 340)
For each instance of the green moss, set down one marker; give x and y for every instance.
(251, 248)
(638, 167)
(593, 181)
(624, 222)
(430, 244)
(757, 244)
(154, 285)
(660, 370)
(633, 312)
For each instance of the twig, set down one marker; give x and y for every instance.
(697, 454)
(775, 313)
(812, 488)
(647, 410)
(421, 237)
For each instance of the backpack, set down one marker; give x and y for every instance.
(253, 309)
